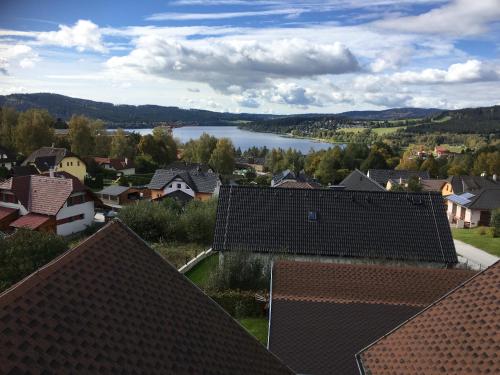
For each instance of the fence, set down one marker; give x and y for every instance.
(193, 262)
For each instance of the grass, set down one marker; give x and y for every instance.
(257, 327)
(453, 148)
(384, 131)
(178, 253)
(474, 237)
(200, 273)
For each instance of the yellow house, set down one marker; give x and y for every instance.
(58, 159)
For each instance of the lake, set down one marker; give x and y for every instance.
(245, 139)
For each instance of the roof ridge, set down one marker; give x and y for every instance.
(479, 274)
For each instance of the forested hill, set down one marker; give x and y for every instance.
(64, 107)
(468, 120)
(392, 114)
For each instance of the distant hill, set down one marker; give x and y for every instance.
(392, 114)
(64, 107)
(483, 120)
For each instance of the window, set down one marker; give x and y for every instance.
(71, 163)
(67, 164)
(188, 188)
(7, 197)
(60, 165)
(70, 219)
(312, 216)
(171, 185)
(179, 186)
(78, 163)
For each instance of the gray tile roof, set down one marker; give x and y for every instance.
(47, 157)
(383, 225)
(484, 199)
(463, 184)
(357, 180)
(114, 190)
(384, 175)
(199, 181)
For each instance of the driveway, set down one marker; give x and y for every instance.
(474, 254)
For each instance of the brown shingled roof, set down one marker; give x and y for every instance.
(113, 305)
(322, 314)
(458, 334)
(30, 221)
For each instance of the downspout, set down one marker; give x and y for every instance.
(270, 305)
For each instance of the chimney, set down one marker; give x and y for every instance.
(126, 161)
(495, 177)
(51, 172)
(401, 180)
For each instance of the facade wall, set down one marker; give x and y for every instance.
(472, 216)
(203, 196)
(178, 184)
(88, 211)
(447, 189)
(73, 166)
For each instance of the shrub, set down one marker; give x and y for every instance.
(198, 220)
(241, 270)
(26, 251)
(239, 303)
(495, 222)
(151, 221)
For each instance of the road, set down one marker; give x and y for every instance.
(474, 254)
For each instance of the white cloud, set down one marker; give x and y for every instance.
(84, 36)
(21, 55)
(458, 17)
(172, 16)
(470, 71)
(225, 63)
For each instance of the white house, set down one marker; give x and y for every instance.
(472, 209)
(59, 204)
(124, 166)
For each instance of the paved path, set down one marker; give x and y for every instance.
(474, 254)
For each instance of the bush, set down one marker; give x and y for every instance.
(198, 220)
(151, 221)
(239, 303)
(495, 222)
(26, 251)
(241, 270)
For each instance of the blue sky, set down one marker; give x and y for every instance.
(264, 56)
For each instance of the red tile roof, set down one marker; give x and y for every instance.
(458, 334)
(322, 314)
(113, 305)
(116, 164)
(5, 211)
(30, 221)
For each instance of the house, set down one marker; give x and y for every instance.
(113, 305)
(116, 196)
(335, 225)
(7, 158)
(357, 180)
(58, 159)
(124, 166)
(255, 163)
(322, 314)
(23, 170)
(178, 195)
(293, 184)
(198, 182)
(441, 151)
(457, 334)
(382, 176)
(473, 209)
(59, 204)
(468, 184)
(286, 175)
(435, 185)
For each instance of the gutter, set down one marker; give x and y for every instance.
(270, 306)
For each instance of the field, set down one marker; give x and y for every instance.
(378, 131)
(257, 327)
(200, 273)
(480, 238)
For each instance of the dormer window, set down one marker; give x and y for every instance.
(312, 216)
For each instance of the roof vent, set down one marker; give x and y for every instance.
(312, 216)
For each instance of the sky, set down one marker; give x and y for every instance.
(260, 56)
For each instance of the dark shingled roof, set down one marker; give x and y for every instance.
(383, 225)
(113, 305)
(458, 334)
(322, 314)
(199, 181)
(47, 157)
(357, 180)
(485, 199)
(384, 175)
(464, 184)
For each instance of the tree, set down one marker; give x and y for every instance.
(198, 221)
(34, 130)
(8, 121)
(26, 251)
(495, 222)
(159, 146)
(430, 165)
(328, 166)
(80, 136)
(222, 158)
(120, 145)
(200, 150)
(375, 160)
(294, 160)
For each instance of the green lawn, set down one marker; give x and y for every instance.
(384, 131)
(475, 238)
(257, 328)
(200, 273)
